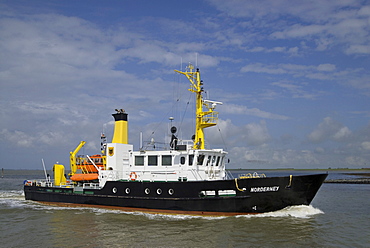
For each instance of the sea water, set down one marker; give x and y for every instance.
(339, 216)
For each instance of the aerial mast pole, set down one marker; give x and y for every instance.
(203, 119)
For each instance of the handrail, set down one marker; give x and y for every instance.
(237, 186)
(250, 175)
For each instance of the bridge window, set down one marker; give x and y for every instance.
(208, 160)
(213, 160)
(166, 160)
(218, 161)
(200, 159)
(182, 160)
(152, 160)
(139, 160)
(191, 159)
(221, 161)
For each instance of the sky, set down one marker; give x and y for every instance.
(293, 77)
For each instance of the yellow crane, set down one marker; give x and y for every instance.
(72, 158)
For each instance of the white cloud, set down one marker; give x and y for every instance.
(329, 129)
(326, 67)
(296, 90)
(364, 11)
(266, 157)
(358, 49)
(312, 10)
(252, 134)
(328, 24)
(294, 69)
(356, 161)
(366, 145)
(299, 31)
(260, 68)
(289, 50)
(243, 110)
(17, 137)
(324, 72)
(255, 134)
(342, 133)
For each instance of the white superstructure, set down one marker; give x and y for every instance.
(169, 165)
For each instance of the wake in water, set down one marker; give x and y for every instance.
(301, 211)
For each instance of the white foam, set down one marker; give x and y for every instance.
(300, 211)
(11, 194)
(152, 216)
(157, 216)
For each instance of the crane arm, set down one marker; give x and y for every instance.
(72, 158)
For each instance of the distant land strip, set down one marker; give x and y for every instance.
(365, 179)
(354, 181)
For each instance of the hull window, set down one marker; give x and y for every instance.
(207, 193)
(226, 193)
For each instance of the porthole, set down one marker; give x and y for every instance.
(171, 191)
(127, 191)
(147, 191)
(159, 191)
(114, 190)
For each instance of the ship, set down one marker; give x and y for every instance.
(184, 177)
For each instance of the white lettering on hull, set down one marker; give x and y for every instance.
(264, 189)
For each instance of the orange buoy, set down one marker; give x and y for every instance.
(133, 176)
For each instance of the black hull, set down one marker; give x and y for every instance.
(253, 195)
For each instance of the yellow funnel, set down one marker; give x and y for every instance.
(120, 127)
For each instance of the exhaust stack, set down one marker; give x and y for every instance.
(120, 127)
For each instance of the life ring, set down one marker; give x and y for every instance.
(133, 176)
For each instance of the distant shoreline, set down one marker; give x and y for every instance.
(350, 181)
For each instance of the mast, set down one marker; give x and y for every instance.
(203, 118)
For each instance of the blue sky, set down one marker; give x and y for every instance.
(293, 77)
